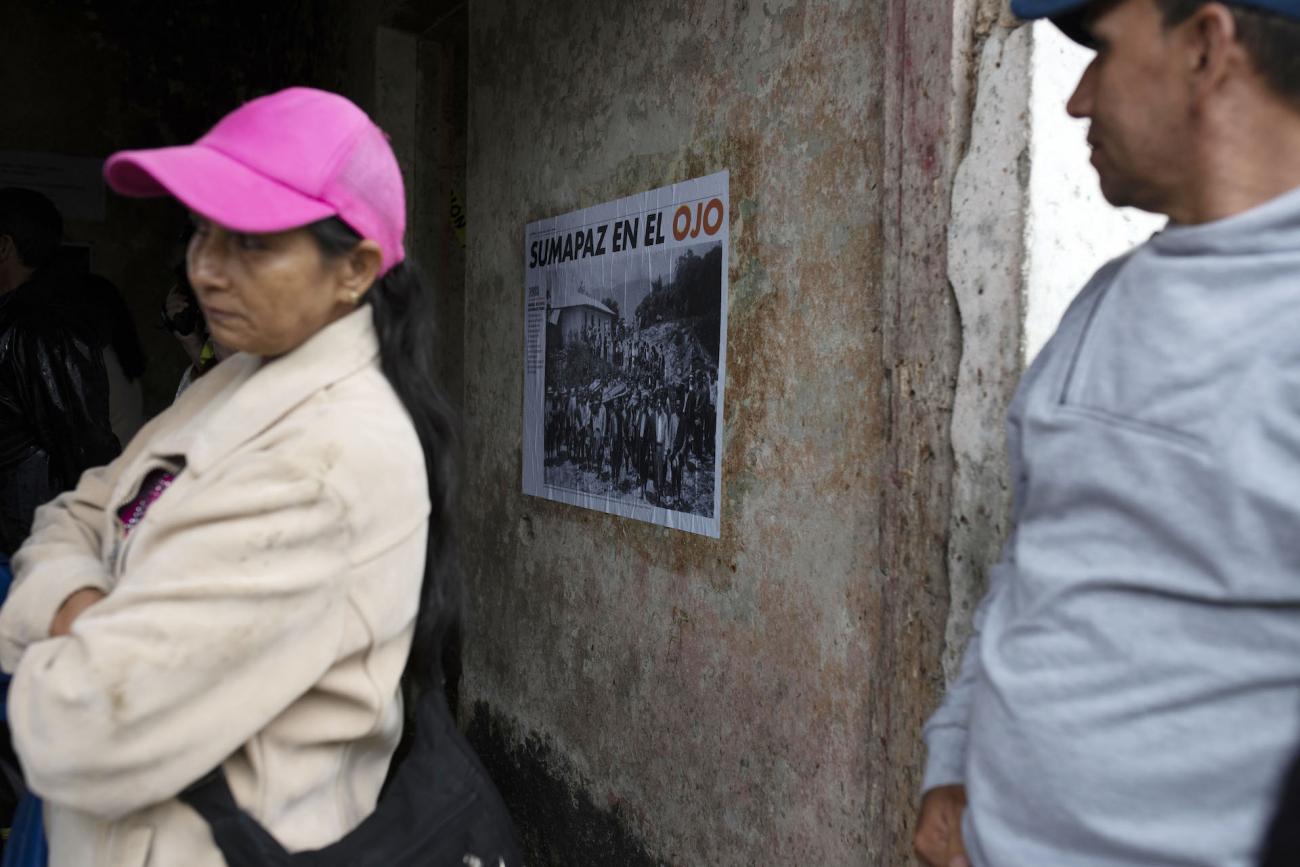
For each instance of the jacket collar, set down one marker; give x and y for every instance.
(246, 395)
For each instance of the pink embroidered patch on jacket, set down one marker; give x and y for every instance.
(153, 487)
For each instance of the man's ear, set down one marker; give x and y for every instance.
(359, 270)
(7, 247)
(1212, 50)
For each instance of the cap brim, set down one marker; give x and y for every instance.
(215, 186)
(1072, 26)
(1031, 9)
(1068, 15)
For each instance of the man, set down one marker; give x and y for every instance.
(598, 417)
(54, 402)
(697, 408)
(616, 434)
(643, 436)
(661, 444)
(1131, 695)
(584, 431)
(548, 425)
(571, 427)
(676, 444)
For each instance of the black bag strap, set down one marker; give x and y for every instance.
(241, 838)
(1282, 848)
(440, 809)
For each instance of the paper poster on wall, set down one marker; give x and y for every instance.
(625, 310)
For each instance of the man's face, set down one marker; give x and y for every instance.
(1136, 95)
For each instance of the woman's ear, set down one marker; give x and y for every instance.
(359, 269)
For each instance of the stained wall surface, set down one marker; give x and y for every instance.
(647, 696)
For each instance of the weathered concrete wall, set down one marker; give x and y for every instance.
(986, 266)
(925, 95)
(649, 696)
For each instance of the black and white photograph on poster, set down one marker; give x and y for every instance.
(626, 357)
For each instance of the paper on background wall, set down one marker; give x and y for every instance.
(625, 311)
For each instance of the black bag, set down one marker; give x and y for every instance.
(1282, 848)
(439, 808)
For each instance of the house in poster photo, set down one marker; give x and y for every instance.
(571, 314)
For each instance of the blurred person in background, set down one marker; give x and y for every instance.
(54, 391)
(183, 319)
(110, 320)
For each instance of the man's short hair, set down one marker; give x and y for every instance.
(1272, 40)
(34, 224)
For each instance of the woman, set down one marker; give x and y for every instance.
(241, 588)
(182, 317)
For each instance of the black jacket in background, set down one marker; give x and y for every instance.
(54, 421)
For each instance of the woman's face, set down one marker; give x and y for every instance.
(267, 294)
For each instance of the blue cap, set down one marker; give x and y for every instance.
(1068, 14)
(1065, 14)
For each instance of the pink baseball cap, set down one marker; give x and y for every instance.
(279, 162)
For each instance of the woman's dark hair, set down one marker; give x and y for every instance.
(404, 321)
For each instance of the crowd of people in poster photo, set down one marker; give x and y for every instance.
(631, 395)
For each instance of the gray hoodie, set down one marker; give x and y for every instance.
(1132, 693)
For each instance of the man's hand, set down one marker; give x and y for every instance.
(72, 608)
(938, 829)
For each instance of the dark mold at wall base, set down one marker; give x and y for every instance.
(559, 825)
